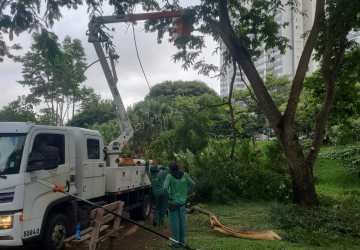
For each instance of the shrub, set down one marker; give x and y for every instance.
(349, 156)
(249, 175)
(318, 226)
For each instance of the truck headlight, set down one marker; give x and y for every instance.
(6, 221)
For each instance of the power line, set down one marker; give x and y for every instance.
(139, 59)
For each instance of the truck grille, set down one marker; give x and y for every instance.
(6, 197)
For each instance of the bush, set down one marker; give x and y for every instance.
(349, 156)
(250, 175)
(345, 133)
(318, 226)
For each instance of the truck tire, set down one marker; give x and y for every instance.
(146, 207)
(56, 231)
(143, 211)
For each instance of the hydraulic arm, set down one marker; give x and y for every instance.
(108, 65)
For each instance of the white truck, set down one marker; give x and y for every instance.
(31, 155)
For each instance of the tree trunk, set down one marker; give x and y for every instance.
(301, 173)
(304, 193)
(300, 168)
(304, 188)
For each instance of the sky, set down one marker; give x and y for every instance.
(156, 59)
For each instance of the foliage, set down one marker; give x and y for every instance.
(317, 226)
(18, 111)
(246, 28)
(350, 156)
(54, 73)
(250, 175)
(190, 130)
(172, 89)
(295, 225)
(96, 112)
(173, 117)
(250, 117)
(346, 106)
(109, 130)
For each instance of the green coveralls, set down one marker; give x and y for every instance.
(157, 178)
(178, 190)
(160, 195)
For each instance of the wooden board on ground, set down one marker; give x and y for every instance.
(104, 225)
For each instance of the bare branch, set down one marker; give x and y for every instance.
(231, 90)
(329, 75)
(298, 81)
(231, 109)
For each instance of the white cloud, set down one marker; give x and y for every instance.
(156, 59)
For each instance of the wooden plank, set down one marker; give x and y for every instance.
(100, 230)
(82, 232)
(113, 206)
(95, 233)
(87, 236)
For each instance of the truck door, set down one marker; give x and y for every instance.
(53, 147)
(94, 168)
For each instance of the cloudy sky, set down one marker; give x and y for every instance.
(156, 59)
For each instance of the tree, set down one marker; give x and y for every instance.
(169, 106)
(17, 16)
(250, 115)
(171, 89)
(54, 74)
(97, 112)
(346, 105)
(244, 27)
(18, 111)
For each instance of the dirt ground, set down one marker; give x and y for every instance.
(133, 238)
(130, 238)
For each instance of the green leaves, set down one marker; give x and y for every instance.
(54, 72)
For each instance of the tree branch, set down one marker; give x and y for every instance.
(298, 81)
(224, 29)
(231, 110)
(329, 70)
(248, 87)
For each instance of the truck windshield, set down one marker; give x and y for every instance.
(11, 148)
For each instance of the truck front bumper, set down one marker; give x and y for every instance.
(13, 236)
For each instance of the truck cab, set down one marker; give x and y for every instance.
(32, 156)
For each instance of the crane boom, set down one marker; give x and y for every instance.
(108, 65)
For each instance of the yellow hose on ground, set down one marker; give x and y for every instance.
(246, 234)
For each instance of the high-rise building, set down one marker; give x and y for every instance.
(225, 78)
(355, 36)
(299, 24)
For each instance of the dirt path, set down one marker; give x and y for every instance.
(130, 238)
(133, 238)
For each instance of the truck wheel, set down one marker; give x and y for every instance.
(143, 211)
(56, 231)
(146, 207)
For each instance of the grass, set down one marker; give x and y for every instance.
(321, 228)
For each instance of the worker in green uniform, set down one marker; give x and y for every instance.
(178, 185)
(159, 196)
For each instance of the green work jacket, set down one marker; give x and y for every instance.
(178, 189)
